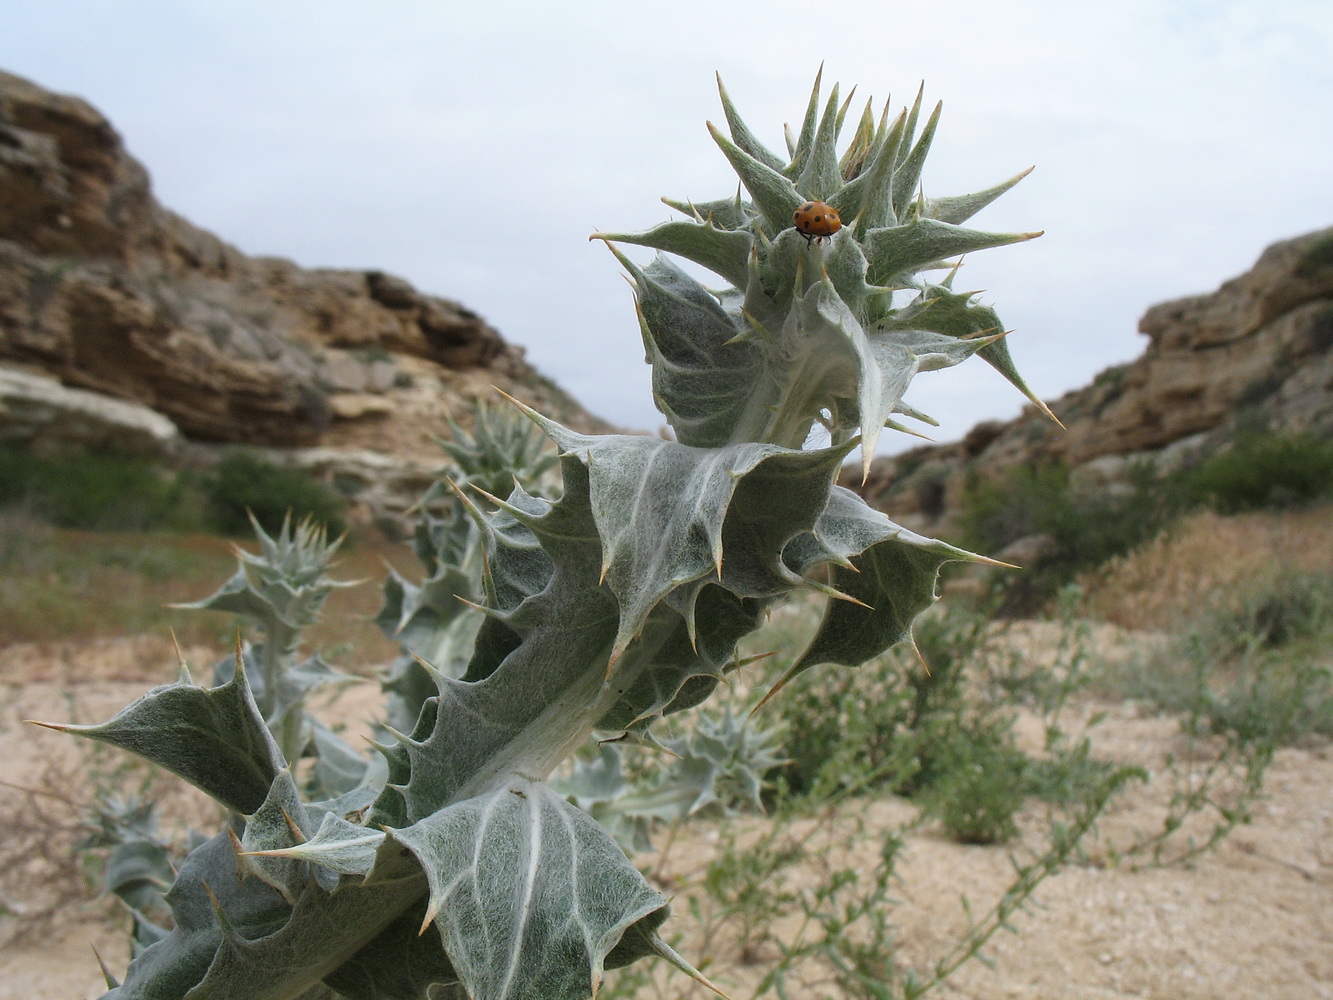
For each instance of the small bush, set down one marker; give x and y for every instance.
(1260, 471)
(1084, 529)
(243, 484)
(982, 786)
(896, 726)
(98, 491)
(1255, 666)
(997, 512)
(1286, 611)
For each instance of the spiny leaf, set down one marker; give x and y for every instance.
(820, 177)
(908, 175)
(268, 949)
(742, 135)
(910, 130)
(338, 846)
(270, 828)
(892, 575)
(660, 508)
(214, 738)
(910, 247)
(702, 377)
(802, 145)
(722, 251)
(536, 913)
(774, 195)
(997, 356)
(960, 208)
(725, 213)
(859, 149)
(867, 202)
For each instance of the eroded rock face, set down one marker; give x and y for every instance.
(52, 418)
(108, 291)
(1261, 342)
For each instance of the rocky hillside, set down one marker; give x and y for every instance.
(120, 322)
(1262, 342)
(118, 318)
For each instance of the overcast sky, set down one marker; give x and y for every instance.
(472, 148)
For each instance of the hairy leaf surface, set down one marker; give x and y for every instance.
(529, 894)
(214, 738)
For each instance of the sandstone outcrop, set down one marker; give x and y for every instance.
(1262, 343)
(134, 312)
(52, 418)
(109, 292)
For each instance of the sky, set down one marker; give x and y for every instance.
(472, 148)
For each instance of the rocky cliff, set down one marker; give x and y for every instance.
(1263, 342)
(122, 322)
(106, 293)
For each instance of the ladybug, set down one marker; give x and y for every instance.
(816, 221)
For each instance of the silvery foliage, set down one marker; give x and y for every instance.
(465, 873)
(278, 592)
(718, 767)
(435, 621)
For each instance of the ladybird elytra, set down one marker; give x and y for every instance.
(816, 221)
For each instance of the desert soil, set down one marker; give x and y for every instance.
(1252, 920)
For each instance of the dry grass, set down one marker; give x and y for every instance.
(41, 868)
(1100, 928)
(74, 586)
(61, 793)
(1180, 573)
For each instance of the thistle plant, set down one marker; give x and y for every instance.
(279, 592)
(720, 766)
(436, 620)
(465, 872)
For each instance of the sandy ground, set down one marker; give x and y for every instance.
(1251, 920)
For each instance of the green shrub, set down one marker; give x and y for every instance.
(97, 491)
(1255, 667)
(897, 726)
(1025, 501)
(1261, 470)
(982, 786)
(1083, 528)
(243, 484)
(111, 491)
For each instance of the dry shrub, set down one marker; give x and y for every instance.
(41, 870)
(1202, 558)
(53, 856)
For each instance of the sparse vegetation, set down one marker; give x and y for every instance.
(1169, 579)
(1083, 529)
(243, 485)
(612, 609)
(98, 491)
(1259, 471)
(109, 491)
(1079, 529)
(1253, 662)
